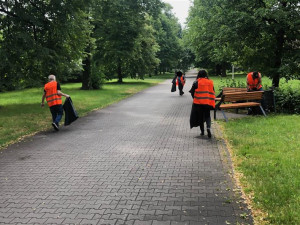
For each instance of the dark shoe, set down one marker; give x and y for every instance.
(202, 132)
(208, 133)
(54, 125)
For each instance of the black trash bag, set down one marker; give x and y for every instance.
(70, 112)
(173, 89)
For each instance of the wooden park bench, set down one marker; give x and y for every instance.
(238, 100)
(226, 90)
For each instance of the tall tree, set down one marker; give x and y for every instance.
(119, 25)
(168, 34)
(40, 37)
(272, 29)
(204, 34)
(260, 35)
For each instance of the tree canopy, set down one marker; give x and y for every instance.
(89, 39)
(38, 38)
(258, 35)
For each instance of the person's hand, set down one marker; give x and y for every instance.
(42, 104)
(67, 96)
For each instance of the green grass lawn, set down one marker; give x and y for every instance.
(267, 152)
(21, 114)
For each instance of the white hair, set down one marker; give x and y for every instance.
(51, 77)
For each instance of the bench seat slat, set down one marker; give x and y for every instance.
(239, 96)
(239, 105)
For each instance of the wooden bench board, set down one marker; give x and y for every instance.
(239, 105)
(226, 90)
(242, 96)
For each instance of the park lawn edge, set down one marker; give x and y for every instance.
(43, 129)
(258, 215)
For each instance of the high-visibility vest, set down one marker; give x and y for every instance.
(205, 94)
(253, 82)
(51, 94)
(181, 80)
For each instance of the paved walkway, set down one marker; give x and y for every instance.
(136, 162)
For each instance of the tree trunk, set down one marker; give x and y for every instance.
(218, 69)
(120, 77)
(278, 57)
(223, 74)
(86, 74)
(278, 52)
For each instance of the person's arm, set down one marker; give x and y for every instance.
(259, 82)
(62, 94)
(248, 85)
(43, 99)
(194, 87)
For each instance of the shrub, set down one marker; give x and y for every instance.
(232, 83)
(287, 100)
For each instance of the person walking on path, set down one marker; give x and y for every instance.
(52, 94)
(203, 94)
(254, 81)
(180, 82)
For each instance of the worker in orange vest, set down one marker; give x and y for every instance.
(52, 94)
(203, 94)
(180, 82)
(254, 81)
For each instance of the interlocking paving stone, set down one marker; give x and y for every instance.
(136, 162)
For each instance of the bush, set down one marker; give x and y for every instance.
(287, 100)
(232, 83)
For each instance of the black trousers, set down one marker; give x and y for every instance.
(180, 88)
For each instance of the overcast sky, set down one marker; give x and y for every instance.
(180, 9)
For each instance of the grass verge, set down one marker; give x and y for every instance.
(21, 114)
(266, 151)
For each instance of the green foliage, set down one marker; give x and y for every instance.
(287, 100)
(260, 35)
(232, 83)
(39, 38)
(124, 37)
(168, 34)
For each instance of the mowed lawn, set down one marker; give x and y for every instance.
(22, 115)
(266, 150)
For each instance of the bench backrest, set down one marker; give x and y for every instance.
(232, 89)
(240, 96)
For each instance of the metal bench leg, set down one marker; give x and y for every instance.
(224, 115)
(215, 114)
(261, 108)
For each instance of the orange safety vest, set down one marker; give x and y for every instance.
(181, 79)
(253, 82)
(51, 94)
(205, 94)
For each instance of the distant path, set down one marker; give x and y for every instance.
(135, 162)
